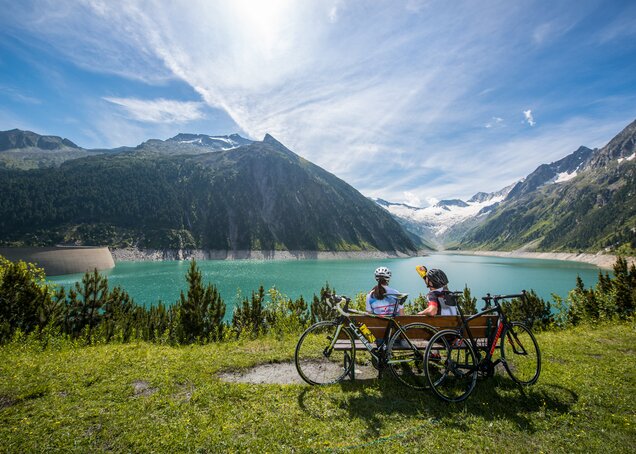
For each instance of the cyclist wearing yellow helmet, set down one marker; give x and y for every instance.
(437, 282)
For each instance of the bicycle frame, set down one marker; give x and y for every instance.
(492, 341)
(344, 319)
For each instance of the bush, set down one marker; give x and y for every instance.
(320, 310)
(533, 310)
(284, 315)
(249, 318)
(25, 299)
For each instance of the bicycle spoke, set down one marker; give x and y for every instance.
(317, 361)
(450, 366)
(520, 354)
(405, 358)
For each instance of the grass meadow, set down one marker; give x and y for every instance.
(145, 397)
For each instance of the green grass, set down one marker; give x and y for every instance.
(144, 397)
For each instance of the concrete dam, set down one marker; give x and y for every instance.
(58, 260)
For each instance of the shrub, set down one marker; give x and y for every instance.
(25, 299)
(249, 319)
(320, 310)
(284, 315)
(611, 298)
(532, 310)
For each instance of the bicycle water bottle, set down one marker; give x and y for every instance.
(367, 333)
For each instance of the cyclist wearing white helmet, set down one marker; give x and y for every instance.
(382, 299)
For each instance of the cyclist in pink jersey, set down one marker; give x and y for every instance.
(382, 299)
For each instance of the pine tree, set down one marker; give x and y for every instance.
(467, 302)
(623, 288)
(201, 312)
(250, 317)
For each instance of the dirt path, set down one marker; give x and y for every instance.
(283, 374)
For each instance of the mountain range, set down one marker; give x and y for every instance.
(583, 202)
(231, 193)
(190, 191)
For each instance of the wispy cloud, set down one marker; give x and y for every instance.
(159, 110)
(495, 122)
(622, 27)
(17, 95)
(548, 32)
(396, 98)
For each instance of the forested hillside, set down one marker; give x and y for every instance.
(259, 196)
(593, 210)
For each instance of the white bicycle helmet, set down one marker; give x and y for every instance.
(382, 272)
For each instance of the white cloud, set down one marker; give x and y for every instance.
(494, 122)
(411, 199)
(334, 11)
(432, 201)
(529, 117)
(159, 110)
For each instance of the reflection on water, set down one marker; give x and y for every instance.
(150, 282)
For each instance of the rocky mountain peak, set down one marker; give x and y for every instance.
(620, 147)
(17, 139)
(451, 203)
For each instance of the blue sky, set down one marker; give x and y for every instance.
(411, 101)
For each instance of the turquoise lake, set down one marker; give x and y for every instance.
(151, 282)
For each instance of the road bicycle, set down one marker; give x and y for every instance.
(326, 351)
(454, 359)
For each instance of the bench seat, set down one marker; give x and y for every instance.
(481, 328)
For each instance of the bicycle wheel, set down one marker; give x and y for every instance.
(450, 365)
(318, 363)
(405, 354)
(520, 354)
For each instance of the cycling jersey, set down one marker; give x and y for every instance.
(386, 306)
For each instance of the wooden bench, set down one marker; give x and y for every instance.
(482, 328)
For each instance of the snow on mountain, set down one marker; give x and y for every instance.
(565, 176)
(628, 158)
(438, 218)
(215, 143)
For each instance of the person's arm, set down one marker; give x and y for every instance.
(369, 309)
(430, 310)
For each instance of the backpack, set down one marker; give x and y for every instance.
(445, 300)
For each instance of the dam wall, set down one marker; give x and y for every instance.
(58, 260)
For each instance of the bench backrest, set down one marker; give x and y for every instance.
(481, 327)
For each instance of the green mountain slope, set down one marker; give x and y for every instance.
(596, 210)
(259, 196)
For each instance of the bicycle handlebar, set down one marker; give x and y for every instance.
(336, 302)
(488, 298)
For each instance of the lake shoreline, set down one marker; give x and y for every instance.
(157, 255)
(605, 261)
